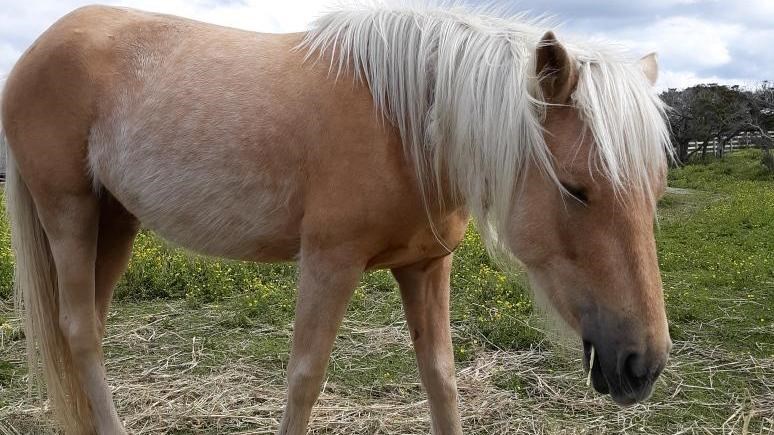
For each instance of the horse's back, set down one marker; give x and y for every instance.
(222, 141)
(172, 118)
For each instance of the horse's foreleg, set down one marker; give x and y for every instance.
(325, 285)
(72, 228)
(117, 230)
(424, 288)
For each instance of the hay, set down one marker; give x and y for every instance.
(172, 378)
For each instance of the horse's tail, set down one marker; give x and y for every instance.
(37, 303)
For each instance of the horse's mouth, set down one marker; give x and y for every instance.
(593, 368)
(622, 395)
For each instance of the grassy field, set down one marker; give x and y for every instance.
(200, 346)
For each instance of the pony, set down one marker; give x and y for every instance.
(368, 142)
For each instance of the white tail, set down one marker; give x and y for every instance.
(37, 302)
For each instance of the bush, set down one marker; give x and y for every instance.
(6, 256)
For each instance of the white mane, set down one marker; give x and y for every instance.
(462, 90)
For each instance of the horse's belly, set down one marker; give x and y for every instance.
(202, 195)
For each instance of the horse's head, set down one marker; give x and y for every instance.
(589, 246)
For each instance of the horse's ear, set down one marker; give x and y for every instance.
(555, 70)
(649, 65)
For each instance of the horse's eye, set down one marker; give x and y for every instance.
(577, 192)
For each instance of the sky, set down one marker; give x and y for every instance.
(698, 41)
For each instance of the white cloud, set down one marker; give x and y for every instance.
(696, 50)
(682, 42)
(8, 55)
(697, 40)
(690, 41)
(682, 79)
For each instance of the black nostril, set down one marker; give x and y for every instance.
(634, 368)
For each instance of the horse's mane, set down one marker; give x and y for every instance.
(461, 88)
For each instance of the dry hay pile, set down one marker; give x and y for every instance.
(187, 386)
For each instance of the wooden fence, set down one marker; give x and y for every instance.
(750, 139)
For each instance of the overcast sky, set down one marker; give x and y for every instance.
(698, 41)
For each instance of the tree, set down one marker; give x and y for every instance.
(762, 119)
(725, 112)
(703, 113)
(681, 120)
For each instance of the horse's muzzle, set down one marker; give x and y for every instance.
(627, 376)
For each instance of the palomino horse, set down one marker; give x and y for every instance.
(365, 143)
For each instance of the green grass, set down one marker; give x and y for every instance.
(718, 261)
(179, 317)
